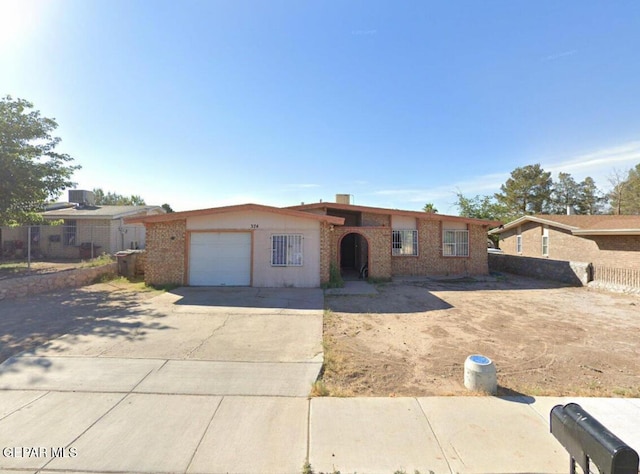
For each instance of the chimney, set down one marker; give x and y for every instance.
(343, 198)
(570, 210)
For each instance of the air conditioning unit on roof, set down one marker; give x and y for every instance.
(86, 198)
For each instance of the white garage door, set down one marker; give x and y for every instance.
(220, 258)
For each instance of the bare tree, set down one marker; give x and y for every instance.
(618, 182)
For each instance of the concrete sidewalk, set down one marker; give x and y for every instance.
(149, 415)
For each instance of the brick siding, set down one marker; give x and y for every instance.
(376, 220)
(325, 251)
(165, 256)
(622, 251)
(430, 260)
(616, 256)
(379, 244)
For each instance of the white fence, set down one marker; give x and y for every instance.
(629, 277)
(80, 241)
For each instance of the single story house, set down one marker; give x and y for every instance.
(264, 246)
(87, 225)
(610, 243)
(83, 232)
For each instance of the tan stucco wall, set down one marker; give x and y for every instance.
(404, 223)
(263, 225)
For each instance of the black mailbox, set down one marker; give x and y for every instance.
(586, 439)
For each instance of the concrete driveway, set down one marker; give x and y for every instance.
(195, 380)
(189, 341)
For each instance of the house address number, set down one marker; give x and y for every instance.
(254, 226)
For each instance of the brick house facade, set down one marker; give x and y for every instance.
(374, 229)
(604, 241)
(388, 242)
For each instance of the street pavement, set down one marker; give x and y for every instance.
(217, 381)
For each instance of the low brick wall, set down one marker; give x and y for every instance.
(574, 273)
(35, 284)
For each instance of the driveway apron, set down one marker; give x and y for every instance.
(193, 380)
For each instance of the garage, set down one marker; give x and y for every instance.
(220, 259)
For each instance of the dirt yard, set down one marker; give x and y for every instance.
(412, 338)
(19, 268)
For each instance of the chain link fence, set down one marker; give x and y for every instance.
(68, 242)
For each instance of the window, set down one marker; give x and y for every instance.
(69, 232)
(455, 243)
(286, 250)
(545, 241)
(405, 242)
(518, 241)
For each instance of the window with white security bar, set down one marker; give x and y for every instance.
(286, 250)
(405, 242)
(455, 243)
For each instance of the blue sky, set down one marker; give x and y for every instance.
(207, 103)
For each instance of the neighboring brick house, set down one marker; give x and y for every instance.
(254, 245)
(610, 243)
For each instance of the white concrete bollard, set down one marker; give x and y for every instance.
(480, 374)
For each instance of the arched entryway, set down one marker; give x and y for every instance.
(354, 256)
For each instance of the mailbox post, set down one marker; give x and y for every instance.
(587, 440)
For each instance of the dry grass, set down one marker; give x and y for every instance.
(412, 340)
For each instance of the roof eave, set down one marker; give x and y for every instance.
(539, 220)
(606, 232)
(381, 210)
(176, 216)
(120, 215)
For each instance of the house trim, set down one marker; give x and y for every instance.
(238, 208)
(380, 210)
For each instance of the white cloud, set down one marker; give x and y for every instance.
(598, 164)
(485, 184)
(553, 57)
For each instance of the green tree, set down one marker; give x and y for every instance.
(632, 206)
(430, 208)
(481, 207)
(114, 199)
(590, 199)
(31, 171)
(527, 191)
(167, 208)
(564, 194)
